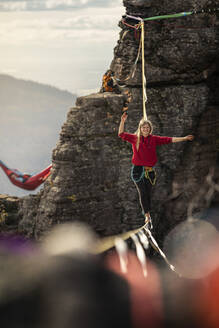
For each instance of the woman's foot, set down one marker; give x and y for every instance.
(148, 221)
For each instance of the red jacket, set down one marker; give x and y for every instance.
(146, 155)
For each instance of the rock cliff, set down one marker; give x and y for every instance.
(90, 179)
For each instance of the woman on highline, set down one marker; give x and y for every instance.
(144, 158)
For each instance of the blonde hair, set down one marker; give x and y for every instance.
(138, 132)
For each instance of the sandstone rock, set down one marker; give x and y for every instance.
(9, 214)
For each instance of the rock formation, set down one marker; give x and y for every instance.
(9, 214)
(90, 180)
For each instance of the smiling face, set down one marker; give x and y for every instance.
(145, 129)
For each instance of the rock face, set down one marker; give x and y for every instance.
(9, 214)
(90, 179)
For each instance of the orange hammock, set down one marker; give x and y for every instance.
(26, 181)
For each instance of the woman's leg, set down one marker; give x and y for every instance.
(143, 183)
(144, 190)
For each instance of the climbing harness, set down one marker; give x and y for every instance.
(137, 177)
(148, 170)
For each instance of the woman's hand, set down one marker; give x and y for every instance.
(124, 117)
(190, 137)
(122, 123)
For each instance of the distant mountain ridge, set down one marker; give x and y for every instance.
(18, 88)
(31, 115)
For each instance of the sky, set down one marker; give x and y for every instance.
(64, 43)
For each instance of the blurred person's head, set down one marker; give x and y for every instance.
(61, 287)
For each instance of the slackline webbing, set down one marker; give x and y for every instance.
(177, 15)
(109, 242)
(169, 16)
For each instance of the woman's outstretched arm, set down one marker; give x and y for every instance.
(186, 138)
(122, 123)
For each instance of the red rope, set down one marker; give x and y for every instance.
(136, 27)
